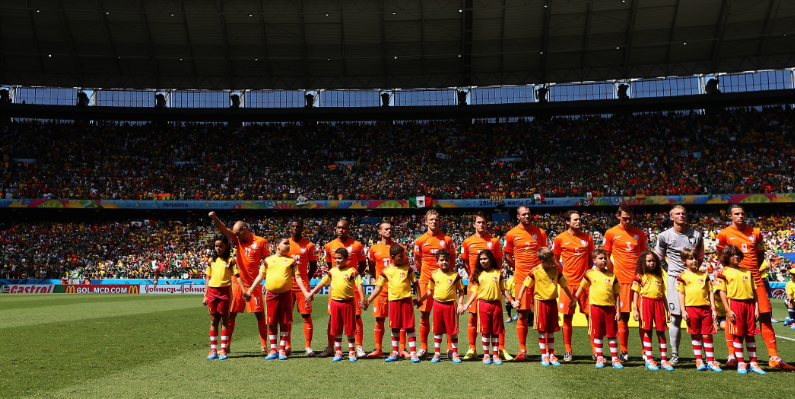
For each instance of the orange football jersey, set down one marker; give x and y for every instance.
(303, 252)
(426, 247)
(575, 253)
(471, 247)
(625, 246)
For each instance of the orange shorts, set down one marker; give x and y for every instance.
(625, 297)
(761, 294)
(474, 307)
(381, 306)
(238, 305)
(426, 306)
(527, 302)
(300, 300)
(563, 303)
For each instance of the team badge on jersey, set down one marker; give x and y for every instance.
(552, 280)
(692, 240)
(751, 237)
(535, 237)
(582, 242)
(489, 245)
(636, 237)
(350, 249)
(441, 244)
(745, 278)
(344, 276)
(449, 281)
(303, 251)
(657, 282)
(254, 246)
(402, 274)
(607, 281)
(701, 281)
(494, 279)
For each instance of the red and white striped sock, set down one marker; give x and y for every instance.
(663, 347)
(495, 344)
(224, 340)
(647, 354)
(395, 340)
(709, 348)
(454, 342)
(338, 343)
(272, 337)
(597, 343)
(613, 343)
(750, 343)
(411, 336)
(542, 343)
(351, 344)
(283, 340)
(550, 343)
(437, 342)
(738, 349)
(486, 340)
(697, 344)
(213, 340)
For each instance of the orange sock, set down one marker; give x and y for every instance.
(308, 331)
(263, 333)
(402, 339)
(729, 340)
(502, 342)
(567, 331)
(770, 336)
(472, 331)
(425, 328)
(521, 332)
(378, 332)
(359, 331)
(623, 335)
(229, 331)
(593, 345)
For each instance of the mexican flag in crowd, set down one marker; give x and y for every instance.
(420, 202)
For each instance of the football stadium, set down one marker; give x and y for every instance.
(320, 198)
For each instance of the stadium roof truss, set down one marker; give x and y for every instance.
(383, 44)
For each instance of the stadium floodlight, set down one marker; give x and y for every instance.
(541, 94)
(711, 88)
(462, 97)
(82, 99)
(385, 97)
(235, 99)
(4, 97)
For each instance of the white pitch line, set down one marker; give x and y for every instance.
(779, 336)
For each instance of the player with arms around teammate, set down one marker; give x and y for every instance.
(278, 273)
(624, 243)
(358, 262)
(250, 250)
(670, 244)
(378, 259)
(749, 241)
(521, 253)
(470, 249)
(425, 249)
(218, 292)
(574, 247)
(303, 251)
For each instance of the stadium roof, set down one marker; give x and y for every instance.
(360, 44)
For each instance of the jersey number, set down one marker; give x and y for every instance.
(386, 262)
(248, 252)
(745, 248)
(629, 246)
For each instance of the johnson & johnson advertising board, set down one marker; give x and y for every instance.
(172, 289)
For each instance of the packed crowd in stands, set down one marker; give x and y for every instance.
(171, 248)
(738, 151)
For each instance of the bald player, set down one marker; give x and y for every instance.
(356, 260)
(303, 251)
(470, 249)
(750, 242)
(521, 253)
(574, 248)
(623, 244)
(250, 251)
(378, 259)
(670, 244)
(425, 249)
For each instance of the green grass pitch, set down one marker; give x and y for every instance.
(107, 346)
